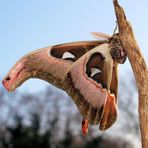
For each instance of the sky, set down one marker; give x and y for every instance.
(27, 25)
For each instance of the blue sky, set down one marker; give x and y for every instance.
(31, 24)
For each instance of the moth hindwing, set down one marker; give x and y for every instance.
(90, 81)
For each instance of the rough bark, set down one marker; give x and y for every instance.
(139, 67)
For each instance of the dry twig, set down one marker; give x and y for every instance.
(139, 67)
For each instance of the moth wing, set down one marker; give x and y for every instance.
(109, 113)
(49, 64)
(76, 49)
(90, 92)
(61, 57)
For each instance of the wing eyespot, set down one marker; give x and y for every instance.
(68, 55)
(95, 71)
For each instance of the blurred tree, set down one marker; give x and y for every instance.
(108, 142)
(28, 137)
(52, 120)
(67, 141)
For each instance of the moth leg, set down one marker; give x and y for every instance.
(85, 126)
(109, 114)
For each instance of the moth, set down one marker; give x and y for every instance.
(86, 70)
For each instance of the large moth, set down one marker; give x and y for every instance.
(86, 70)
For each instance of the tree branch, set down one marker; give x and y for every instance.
(128, 41)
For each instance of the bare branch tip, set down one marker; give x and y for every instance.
(115, 2)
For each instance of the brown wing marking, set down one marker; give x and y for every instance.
(96, 61)
(76, 48)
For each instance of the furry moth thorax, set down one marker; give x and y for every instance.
(116, 50)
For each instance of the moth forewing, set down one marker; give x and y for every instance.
(60, 58)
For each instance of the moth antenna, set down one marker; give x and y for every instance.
(115, 28)
(100, 35)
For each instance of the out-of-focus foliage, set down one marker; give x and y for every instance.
(49, 119)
